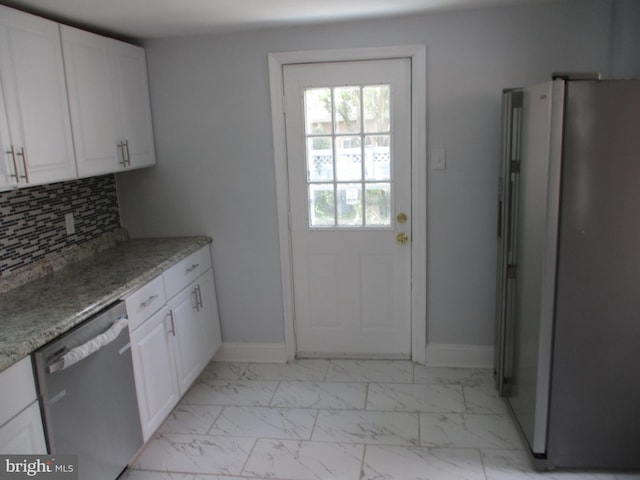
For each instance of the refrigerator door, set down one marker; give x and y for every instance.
(531, 281)
(595, 409)
(511, 134)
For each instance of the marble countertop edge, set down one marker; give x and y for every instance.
(131, 264)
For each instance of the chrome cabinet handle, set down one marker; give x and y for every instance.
(192, 267)
(12, 152)
(149, 301)
(199, 297)
(23, 154)
(172, 329)
(194, 300)
(123, 160)
(126, 145)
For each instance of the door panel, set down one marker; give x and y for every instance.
(323, 290)
(376, 274)
(348, 130)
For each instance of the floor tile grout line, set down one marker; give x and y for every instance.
(326, 371)
(464, 399)
(364, 455)
(484, 466)
(216, 419)
(274, 393)
(253, 447)
(366, 397)
(315, 422)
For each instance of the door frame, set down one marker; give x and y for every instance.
(418, 56)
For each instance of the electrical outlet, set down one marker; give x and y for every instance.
(69, 224)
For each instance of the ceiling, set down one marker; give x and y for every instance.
(164, 18)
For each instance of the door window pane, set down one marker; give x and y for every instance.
(348, 158)
(350, 204)
(377, 116)
(377, 154)
(317, 106)
(347, 109)
(321, 205)
(378, 204)
(320, 159)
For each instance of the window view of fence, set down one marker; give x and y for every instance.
(348, 155)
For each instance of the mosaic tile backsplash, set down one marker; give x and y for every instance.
(32, 225)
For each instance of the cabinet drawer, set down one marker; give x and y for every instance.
(186, 271)
(145, 302)
(17, 379)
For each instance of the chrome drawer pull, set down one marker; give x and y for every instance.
(149, 301)
(192, 267)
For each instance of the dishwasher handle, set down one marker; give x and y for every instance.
(81, 352)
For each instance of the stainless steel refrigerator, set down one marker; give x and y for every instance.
(568, 300)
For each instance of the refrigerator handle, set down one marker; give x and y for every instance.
(499, 218)
(512, 241)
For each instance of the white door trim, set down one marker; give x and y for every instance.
(418, 56)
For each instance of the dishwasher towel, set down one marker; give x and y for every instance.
(82, 351)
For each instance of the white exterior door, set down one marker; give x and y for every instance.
(348, 130)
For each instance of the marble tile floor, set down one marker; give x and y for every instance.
(340, 420)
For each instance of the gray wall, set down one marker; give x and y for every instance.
(215, 172)
(625, 47)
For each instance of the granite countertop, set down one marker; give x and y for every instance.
(36, 313)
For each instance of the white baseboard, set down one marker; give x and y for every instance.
(447, 355)
(251, 353)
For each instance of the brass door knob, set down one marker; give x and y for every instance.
(402, 238)
(401, 218)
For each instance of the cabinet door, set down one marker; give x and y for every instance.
(189, 341)
(154, 370)
(133, 105)
(23, 434)
(8, 176)
(32, 76)
(208, 311)
(89, 67)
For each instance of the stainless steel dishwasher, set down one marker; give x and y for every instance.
(87, 395)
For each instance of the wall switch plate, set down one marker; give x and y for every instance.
(438, 159)
(70, 224)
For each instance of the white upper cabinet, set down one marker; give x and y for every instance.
(7, 168)
(37, 145)
(109, 100)
(133, 104)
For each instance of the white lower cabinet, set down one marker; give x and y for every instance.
(23, 434)
(195, 316)
(20, 422)
(189, 342)
(172, 347)
(154, 370)
(209, 315)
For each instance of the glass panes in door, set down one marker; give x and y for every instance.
(348, 156)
